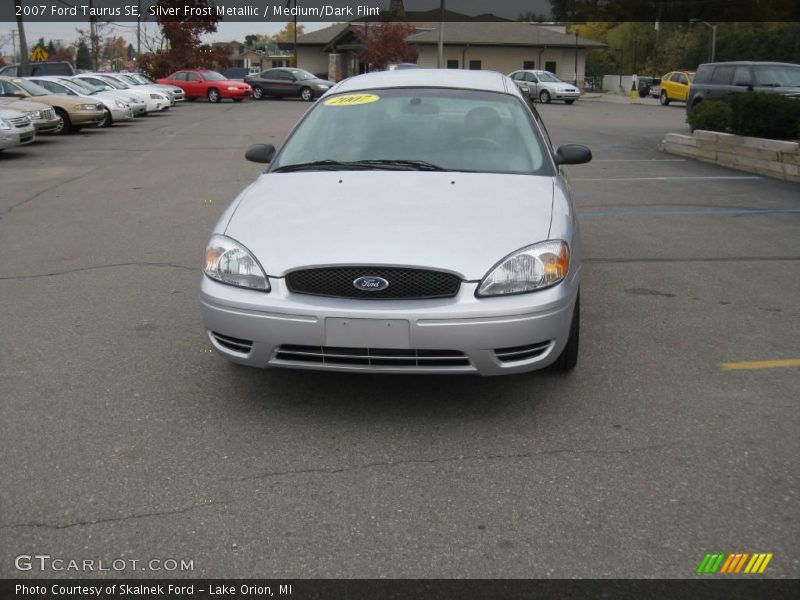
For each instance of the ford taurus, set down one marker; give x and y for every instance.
(415, 221)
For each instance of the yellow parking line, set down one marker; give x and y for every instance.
(760, 364)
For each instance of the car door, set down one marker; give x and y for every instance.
(179, 79)
(286, 84)
(533, 84)
(722, 83)
(682, 87)
(194, 85)
(743, 78)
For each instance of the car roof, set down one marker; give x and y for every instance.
(489, 81)
(753, 63)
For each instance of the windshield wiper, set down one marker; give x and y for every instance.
(357, 165)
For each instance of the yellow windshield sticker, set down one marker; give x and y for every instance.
(352, 100)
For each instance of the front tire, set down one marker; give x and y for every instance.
(213, 95)
(663, 98)
(106, 122)
(65, 125)
(306, 94)
(544, 97)
(568, 358)
(258, 93)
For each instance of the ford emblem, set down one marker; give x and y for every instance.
(370, 283)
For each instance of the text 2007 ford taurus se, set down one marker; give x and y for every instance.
(414, 221)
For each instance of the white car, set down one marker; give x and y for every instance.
(153, 90)
(16, 129)
(136, 100)
(154, 101)
(544, 86)
(136, 79)
(115, 110)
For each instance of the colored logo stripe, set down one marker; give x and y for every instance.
(722, 563)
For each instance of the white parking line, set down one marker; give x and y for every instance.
(639, 160)
(732, 177)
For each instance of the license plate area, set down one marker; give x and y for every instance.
(367, 333)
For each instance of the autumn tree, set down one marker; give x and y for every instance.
(386, 43)
(83, 56)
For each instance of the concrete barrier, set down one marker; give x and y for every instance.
(773, 158)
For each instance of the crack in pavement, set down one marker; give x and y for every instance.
(98, 267)
(446, 459)
(163, 513)
(48, 189)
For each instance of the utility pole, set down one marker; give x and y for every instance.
(23, 43)
(93, 35)
(713, 29)
(440, 57)
(14, 45)
(138, 31)
(576, 58)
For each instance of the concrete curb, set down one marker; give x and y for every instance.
(773, 158)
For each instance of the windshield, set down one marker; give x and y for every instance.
(140, 79)
(778, 76)
(114, 83)
(79, 86)
(548, 77)
(32, 88)
(129, 79)
(213, 76)
(301, 75)
(459, 130)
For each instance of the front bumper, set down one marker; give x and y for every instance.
(121, 114)
(566, 95)
(225, 93)
(86, 117)
(19, 136)
(265, 327)
(46, 126)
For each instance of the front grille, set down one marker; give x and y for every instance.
(404, 283)
(232, 343)
(374, 357)
(20, 121)
(521, 352)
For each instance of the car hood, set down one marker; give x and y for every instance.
(459, 222)
(23, 105)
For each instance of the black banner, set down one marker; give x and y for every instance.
(400, 10)
(733, 588)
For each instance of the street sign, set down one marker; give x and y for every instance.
(39, 54)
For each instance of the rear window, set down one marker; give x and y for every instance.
(777, 76)
(723, 76)
(459, 130)
(703, 74)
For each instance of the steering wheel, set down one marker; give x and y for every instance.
(481, 141)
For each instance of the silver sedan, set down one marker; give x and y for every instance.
(416, 221)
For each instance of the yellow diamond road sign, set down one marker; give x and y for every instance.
(39, 54)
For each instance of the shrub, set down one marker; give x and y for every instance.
(765, 115)
(710, 116)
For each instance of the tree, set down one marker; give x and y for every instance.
(83, 57)
(386, 43)
(23, 44)
(51, 48)
(287, 33)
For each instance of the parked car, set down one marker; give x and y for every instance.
(162, 98)
(16, 129)
(52, 67)
(43, 116)
(137, 100)
(720, 81)
(544, 86)
(241, 72)
(200, 83)
(645, 85)
(73, 113)
(675, 86)
(137, 81)
(153, 101)
(285, 82)
(415, 221)
(114, 109)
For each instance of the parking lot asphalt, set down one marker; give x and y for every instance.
(123, 436)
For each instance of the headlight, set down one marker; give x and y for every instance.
(156, 96)
(4, 124)
(527, 270)
(35, 114)
(87, 107)
(321, 86)
(229, 262)
(120, 104)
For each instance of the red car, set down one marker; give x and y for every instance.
(201, 83)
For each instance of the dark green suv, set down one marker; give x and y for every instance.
(719, 81)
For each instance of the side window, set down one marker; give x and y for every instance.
(683, 79)
(264, 74)
(528, 64)
(11, 71)
(518, 76)
(531, 77)
(179, 77)
(192, 77)
(742, 76)
(723, 76)
(475, 65)
(703, 75)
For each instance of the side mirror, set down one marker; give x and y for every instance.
(260, 153)
(573, 154)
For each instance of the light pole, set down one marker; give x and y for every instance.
(576, 58)
(713, 29)
(440, 55)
